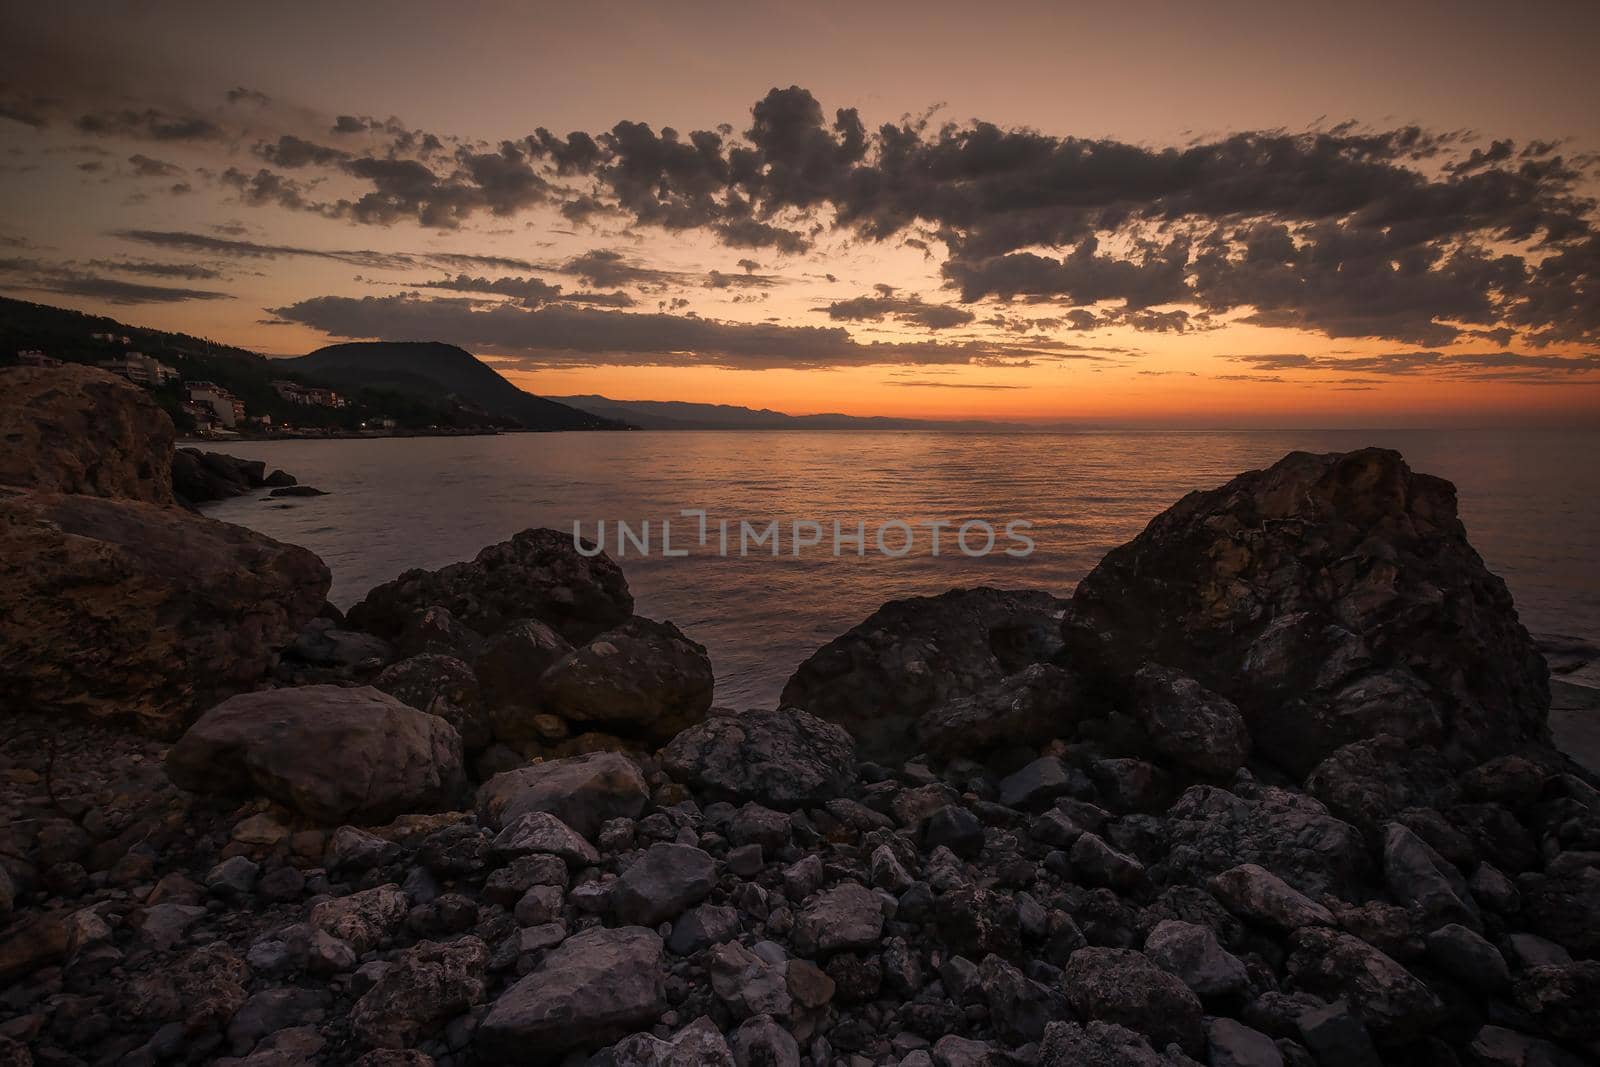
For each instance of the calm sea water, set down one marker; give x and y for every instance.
(1530, 501)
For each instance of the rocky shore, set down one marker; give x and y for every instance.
(1275, 786)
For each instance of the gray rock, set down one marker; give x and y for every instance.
(540, 905)
(662, 883)
(747, 983)
(1232, 1044)
(1257, 895)
(1036, 784)
(1097, 863)
(332, 753)
(1496, 1046)
(233, 877)
(1425, 882)
(761, 1042)
(1193, 954)
(1390, 1000)
(759, 825)
(1288, 833)
(593, 988)
(1466, 956)
(848, 916)
(352, 850)
(1019, 1007)
(886, 872)
(784, 758)
(1123, 987)
(444, 686)
(700, 1044)
(428, 985)
(582, 791)
(643, 678)
(539, 831)
(955, 828)
(1188, 723)
(1336, 1035)
(702, 927)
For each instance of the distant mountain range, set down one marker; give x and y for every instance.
(683, 415)
(428, 368)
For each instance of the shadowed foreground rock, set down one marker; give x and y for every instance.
(331, 753)
(538, 574)
(1332, 598)
(140, 613)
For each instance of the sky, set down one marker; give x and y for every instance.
(1228, 214)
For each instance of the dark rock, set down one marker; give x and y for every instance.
(1019, 1007)
(644, 679)
(1101, 1044)
(75, 429)
(1427, 884)
(1466, 956)
(1123, 987)
(1288, 833)
(434, 630)
(702, 927)
(444, 686)
(539, 831)
(698, 1043)
(1390, 1000)
(510, 667)
(296, 490)
(141, 613)
(662, 883)
(1337, 1036)
(538, 574)
(1496, 1046)
(783, 758)
(911, 656)
(1036, 785)
(1038, 702)
(593, 988)
(1096, 863)
(322, 644)
(976, 922)
(849, 916)
(1564, 1000)
(1193, 954)
(331, 753)
(1189, 724)
(428, 984)
(1308, 594)
(1232, 1044)
(582, 791)
(1257, 895)
(955, 828)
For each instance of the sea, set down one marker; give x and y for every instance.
(1530, 500)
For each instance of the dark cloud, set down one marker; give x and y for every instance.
(1479, 366)
(531, 292)
(716, 279)
(609, 269)
(241, 95)
(266, 187)
(557, 335)
(918, 383)
(28, 275)
(293, 152)
(146, 167)
(190, 271)
(205, 244)
(902, 309)
(151, 124)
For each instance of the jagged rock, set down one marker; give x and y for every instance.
(1563, 999)
(912, 656)
(1309, 595)
(428, 985)
(1427, 884)
(140, 613)
(783, 758)
(701, 928)
(1188, 723)
(1097, 863)
(1369, 782)
(1193, 954)
(593, 988)
(1038, 702)
(1123, 987)
(955, 828)
(433, 630)
(1390, 1000)
(364, 920)
(1102, 1044)
(440, 685)
(1496, 1046)
(538, 574)
(750, 983)
(643, 678)
(700, 1044)
(328, 752)
(582, 791)
(75, 429)
(351, 848)
(662, 883)
(1232, 1044)
(1019, 1006)
(1257, 895)
(509, 670)
(1288, 833)
(539, 831)
(1337, 1036)
(848, 916)
(1036, 784)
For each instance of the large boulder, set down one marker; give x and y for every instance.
(122, 609)
(331, 753)
(1123, 987)
(642, 679)
(1189, 724)
(582, 791)
(73, 429)
(912, 656)
(1332, 598)
(538, 574)
(783, 758)
(594, 988)
(440, 685)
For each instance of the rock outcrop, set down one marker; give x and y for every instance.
(331, 753)
(123, 610)
(911, 658)
(202, 477)
(1332, 598)
(73, 429)
(538, 574)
